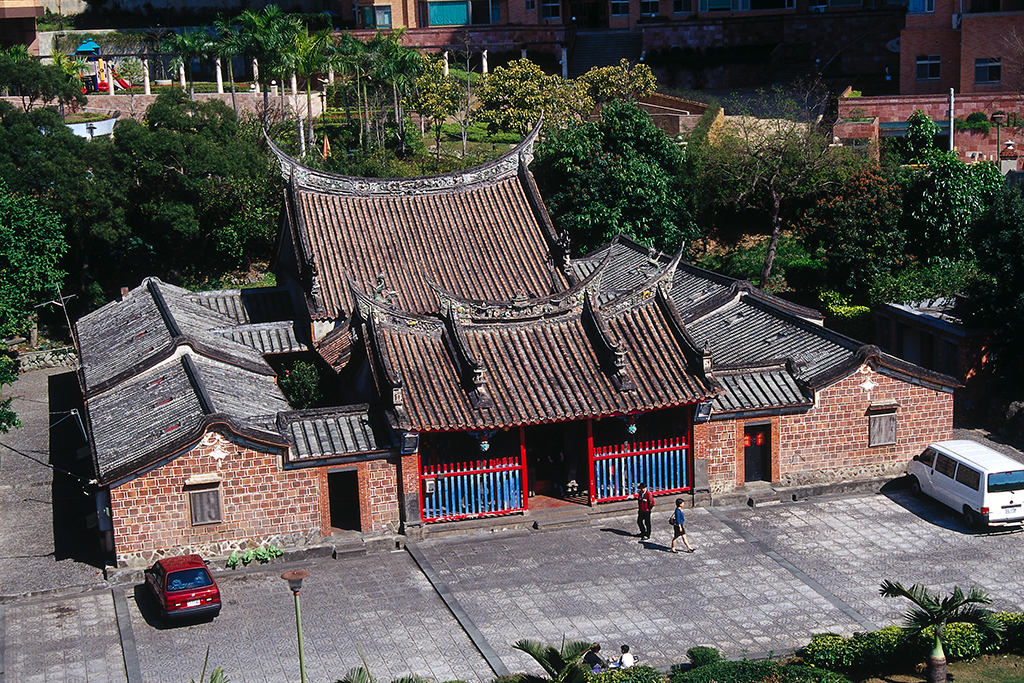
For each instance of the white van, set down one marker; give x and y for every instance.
(986, 486)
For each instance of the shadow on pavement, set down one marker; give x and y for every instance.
(934, 512)
(72, 499)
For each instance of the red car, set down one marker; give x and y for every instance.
(183, 587)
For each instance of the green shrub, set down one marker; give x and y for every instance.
(301, 385)
(702, 655)
(1013, 637)
(830, 651)
(634, 674)
(755, 672)
(883, 647)
(960, 641)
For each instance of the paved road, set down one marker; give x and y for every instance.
(762, 579)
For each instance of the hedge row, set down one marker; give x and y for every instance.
(893, 645)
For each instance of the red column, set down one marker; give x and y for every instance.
(590, 460)
(524, 468)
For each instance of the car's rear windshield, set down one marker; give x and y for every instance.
(188, 579)
(1006, 481)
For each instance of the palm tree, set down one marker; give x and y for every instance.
(312, 56)
(266, 36)
(227, 46)
(931, 611)
(396, 66)
(353, 62)
(186, 46)
(561, 665)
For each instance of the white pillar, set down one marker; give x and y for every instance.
(445, 55)
(330, 77)
(483, 63)
(181, 75)
(295, 93)
(256, 73)
(220, 76)
(522, 53)
(146, 87)
(565, 62)
(110, 77)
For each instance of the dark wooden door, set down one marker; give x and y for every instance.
(757, 453)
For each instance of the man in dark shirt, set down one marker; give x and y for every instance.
(645, 503)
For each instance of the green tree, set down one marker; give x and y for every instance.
(942, 200)
(312, 55)
(619, 82)
(562, 665)
(512, 98)
(931, 612)
(8, 375)
(765, 164)
(615, 175)
(266, 37)
(857, 229)
(34, 82)
(435, 96)
(32, 242)
(187, 46)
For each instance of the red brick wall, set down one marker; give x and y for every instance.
(942, 41)
(259, 500)
(378, 496)
(984, 35)
(830, 441)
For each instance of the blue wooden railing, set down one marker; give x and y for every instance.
(662, 465)
(471, 489)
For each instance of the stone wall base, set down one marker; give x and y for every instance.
(286, 542)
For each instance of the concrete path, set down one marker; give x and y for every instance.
(762, 580)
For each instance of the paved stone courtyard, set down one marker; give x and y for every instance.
(762, 580)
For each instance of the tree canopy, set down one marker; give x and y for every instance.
(615, 175)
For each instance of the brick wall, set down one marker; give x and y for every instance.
(989, 35)
(378, 496)
(830, 441)
(260, 502)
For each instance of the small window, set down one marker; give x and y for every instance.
(677, 7)
(945, 465)
(920, 6)
(620, 8)
(928, 67)
(551, 9)
(927, 458)
(988, 70)
(882, 429)
(968, 477)
(204, 504)
(377, 17)
(531, 5)
(649, 8)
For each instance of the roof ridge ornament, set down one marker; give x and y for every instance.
(609, 350)
(471, 372)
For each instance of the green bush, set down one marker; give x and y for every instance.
(702, 655)
(755, 672)
(960, 641)
(301, 385)
(830, 651)
(634, 674)
(1013, 637)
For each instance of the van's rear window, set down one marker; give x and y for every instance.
(1006, 481)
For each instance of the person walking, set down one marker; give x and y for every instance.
(680, 530)
(645, 503)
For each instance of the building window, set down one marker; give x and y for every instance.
(204, 504)
(677, 7)
(920, 6)
(620, 8)
(649, 8)
(531, 5)
(550, 9)
(988, 70)
(377, 17)
(448, 13)
(882, 429)
(724, 5)
(928, 67)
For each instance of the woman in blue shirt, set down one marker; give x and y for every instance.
(679, 529)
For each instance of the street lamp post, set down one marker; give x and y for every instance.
(999, 119)
(294, 579)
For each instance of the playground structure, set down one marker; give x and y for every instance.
(102, 70)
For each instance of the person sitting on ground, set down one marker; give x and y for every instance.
(627, 659)
(594, 660)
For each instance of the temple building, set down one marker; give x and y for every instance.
(475, 370)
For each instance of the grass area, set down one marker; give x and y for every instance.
(85, 117)
(987, 669)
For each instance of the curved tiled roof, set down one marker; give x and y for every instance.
(482, 233)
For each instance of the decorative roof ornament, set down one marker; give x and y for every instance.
(384, 296)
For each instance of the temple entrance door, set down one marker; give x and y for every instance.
(556, 456)
(757, 453)
(589, 13)
(343, 494)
